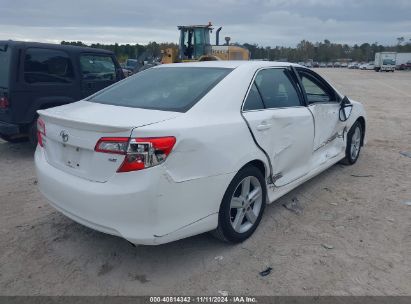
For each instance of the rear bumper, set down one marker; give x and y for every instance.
(143, 207)
(8, 128)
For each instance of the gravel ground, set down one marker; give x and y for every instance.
(353, 236)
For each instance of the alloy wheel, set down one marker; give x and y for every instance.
(355, 143)
(245, 205)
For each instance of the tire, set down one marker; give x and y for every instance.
(354, 142)
(236, 224)
(32, 133)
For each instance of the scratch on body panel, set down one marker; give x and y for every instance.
(334, 136)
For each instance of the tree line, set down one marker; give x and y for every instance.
(325, 51)
(129, 51)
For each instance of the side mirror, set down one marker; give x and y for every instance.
(345, 109)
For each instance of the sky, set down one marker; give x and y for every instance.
(264, 22)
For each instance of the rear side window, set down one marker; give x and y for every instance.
(47, 66)
(168, 89)
(253, 101)
(97, 67)
(5, 56)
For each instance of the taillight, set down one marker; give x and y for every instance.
(146, 152)
(41, 131)
(115, 145)
(4, 102)
(140, 153)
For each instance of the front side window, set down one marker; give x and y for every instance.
(47, 66)
(315, 90)
(276, 88)
(167, 88)
(97, 67)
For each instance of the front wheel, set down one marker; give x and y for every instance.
(242, 206)
(354, 141)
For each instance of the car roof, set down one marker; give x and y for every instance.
(69, 48)
(230, 64)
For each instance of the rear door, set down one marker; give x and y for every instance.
(324, 104)
(97, 72)
(48, 78)
(282, 126)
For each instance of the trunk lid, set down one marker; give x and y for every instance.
(73, 130)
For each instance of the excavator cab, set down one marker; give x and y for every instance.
(194, 41)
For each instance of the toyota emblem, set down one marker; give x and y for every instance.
(64, 135)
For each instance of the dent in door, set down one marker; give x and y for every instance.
(329, 132)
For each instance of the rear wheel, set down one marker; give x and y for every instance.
(354, 141)
(242, 207)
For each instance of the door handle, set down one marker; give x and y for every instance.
(263, 126)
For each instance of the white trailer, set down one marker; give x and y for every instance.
(385, 61)
(402, 59)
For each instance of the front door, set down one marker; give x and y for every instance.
(323, 102)
(282, 126)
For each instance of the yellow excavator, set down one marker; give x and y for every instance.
(194, 45)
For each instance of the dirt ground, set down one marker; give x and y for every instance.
(358, 212)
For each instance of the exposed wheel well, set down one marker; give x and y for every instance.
(361, 120)
(258, 164)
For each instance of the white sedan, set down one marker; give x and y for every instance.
(367, 66)
(182, 149)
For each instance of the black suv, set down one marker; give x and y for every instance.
(37, 76)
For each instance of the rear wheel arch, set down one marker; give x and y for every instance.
(259, 164)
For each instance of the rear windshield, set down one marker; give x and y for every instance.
(5, 55)
(168, 89)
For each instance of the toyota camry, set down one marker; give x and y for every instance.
(182, 149)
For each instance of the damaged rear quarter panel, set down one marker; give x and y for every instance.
(202, 164)
(207, 149)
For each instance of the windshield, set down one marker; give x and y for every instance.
(388, 62)
(168, 89)
(5, 54)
